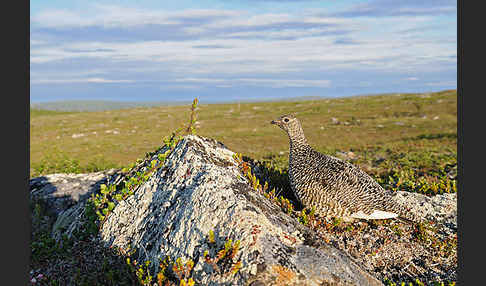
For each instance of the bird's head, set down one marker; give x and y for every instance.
(288, 122)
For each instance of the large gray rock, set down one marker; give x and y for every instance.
(441, 209)
(63, 197)
(59, 192)
(200, 189)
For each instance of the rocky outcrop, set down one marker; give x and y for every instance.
(59, 192)
(63, 197)
(441, 209)
(200, 190)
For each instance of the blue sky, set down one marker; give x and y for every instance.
(149, 50)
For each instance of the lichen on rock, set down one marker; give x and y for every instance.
(200, 189)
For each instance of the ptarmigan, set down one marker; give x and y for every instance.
(334, 187)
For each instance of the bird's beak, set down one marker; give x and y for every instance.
(274, 122)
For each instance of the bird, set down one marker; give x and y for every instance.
(333, 187)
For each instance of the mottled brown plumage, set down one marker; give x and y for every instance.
(334, 187)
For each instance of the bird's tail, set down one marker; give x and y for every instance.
(406, 220)
(405, 212)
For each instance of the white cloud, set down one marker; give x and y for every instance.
(61, 18)
(37, 42)
(275, 83)
(180, 87)
(79, 80)
(200, 80)
(119, 16)
(442, 83)
(280, 83)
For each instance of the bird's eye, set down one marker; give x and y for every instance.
(286, 120)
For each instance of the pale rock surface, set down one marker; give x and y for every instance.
(441, 209)
(61, 191)
(199, 189)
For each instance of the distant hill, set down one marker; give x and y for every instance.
(100, 105)
(96, 105)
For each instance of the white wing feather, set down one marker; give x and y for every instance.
(376, 214)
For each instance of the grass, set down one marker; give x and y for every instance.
(372, 126)
(35, 112)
